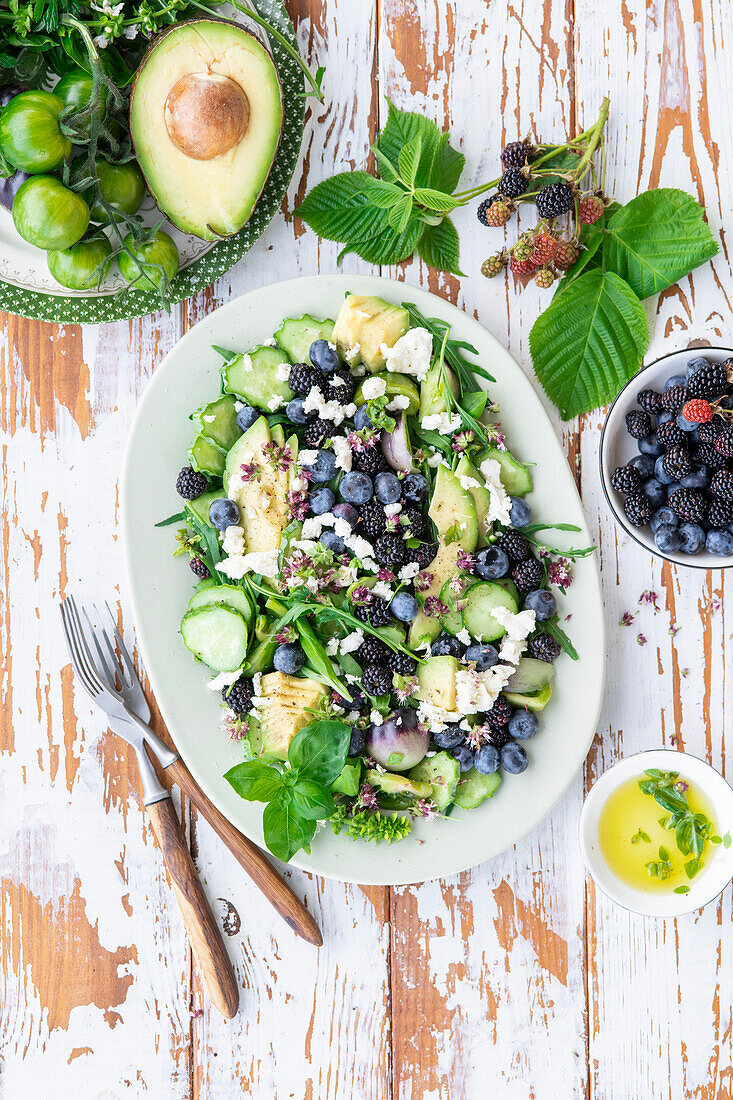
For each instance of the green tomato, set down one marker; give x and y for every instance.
(122, 185)
(78, 267)
(75, 89)
(49, 215)
(161, 251)
(30, 136)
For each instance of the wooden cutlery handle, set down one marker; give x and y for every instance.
(250, 858)
(207, 945)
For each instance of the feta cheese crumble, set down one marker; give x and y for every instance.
(411, 354)
(373, 387)
(342, 451)
(327, 410)
(445, 423)
(283, 372)
(274, 403)
(247, 364)
(500, 503)
(518, 627)
(407, 572)
(224, 680)
(398, 403)
(258, 561)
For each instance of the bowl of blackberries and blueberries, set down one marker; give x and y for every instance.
(667, 457)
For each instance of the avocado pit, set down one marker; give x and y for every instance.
(206, 115)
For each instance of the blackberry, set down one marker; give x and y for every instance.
(528, 574)
(638, 509)
(389, 550)
(517, 153)
(497, 736)
(401, 664)
(371, 461)
(626, 479)
(677, 463)
(543, 647)
(708, 433)
(688, 505)
(376, 680)
(650, 401)
(724, 443)
(707, 454)
(239, 697)
(339, 387)
(484, 208)
(416, 525)
(638, 424)
(317, 431)
(513, 183)
(373, 519)
(722, 484)
(190, 483)
(514, 545)
(674, 398)
(376, 613)
(553, 200)
(303, 378)
(500, 712)
(199, 568)
(720, 512)
(708, 382)
(422, 554)
(670, 434)
(372, 651)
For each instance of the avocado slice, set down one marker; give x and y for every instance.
(432, 399)
(436, 678)
(263, 501)
(389, 783)
(364, 323)
(453, 511)
(423, 628)
(288, 704)
(205, 117)
(479, 492)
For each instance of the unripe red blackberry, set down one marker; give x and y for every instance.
(544, 248)
(565, 256)
(590, 209)
(499, 213)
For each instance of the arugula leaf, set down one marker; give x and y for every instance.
(286, 830)
(171, 519)
(589, 342)
(656, 239)
(319, 751)
(439, 246)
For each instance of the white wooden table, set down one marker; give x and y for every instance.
(517, 979)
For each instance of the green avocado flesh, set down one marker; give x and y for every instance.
(205, 116)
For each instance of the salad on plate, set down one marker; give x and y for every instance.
(376, 603)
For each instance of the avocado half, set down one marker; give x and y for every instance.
(205, 116)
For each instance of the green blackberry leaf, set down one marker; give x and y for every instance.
(402, 128)
(435, 200)
(349, 206)
(656, 239)
(589, 342)
(408, 161)
(439, 246)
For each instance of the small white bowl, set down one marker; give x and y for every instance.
(618, 447)
(711, 879)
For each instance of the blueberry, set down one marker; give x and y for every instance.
(655, 491)
(695, 365)
(355, 700)
(660, 473)
(513, 758)
(356, 487)
(520, 513)
(464, 756)
(361, 419)
(347, 512)
(675, 380)
(663, 517)
(332, 541)
(247, 416)
(449, 737)
(446, 646)
(651, 446)
(672, 488)
(644, 464)
(223, 513)
(323, 357)
(719, 542)
(491, 563)
(415, 488)
(404, 607)
(698, 479)
(667, 539)
(542, 602)
(321, 501)
(486, 760)
(663, 417)
(523, 724)
(685, 424)
(692, 538)
(295, 411)
(483, 656)
(324, 467)
(289, 658)
(358, 741)
(387, 488)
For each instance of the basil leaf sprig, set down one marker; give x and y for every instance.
(297, 793)
(691, 830)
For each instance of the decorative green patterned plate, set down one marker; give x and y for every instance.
(27, 288)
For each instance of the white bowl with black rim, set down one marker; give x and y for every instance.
(618, 448)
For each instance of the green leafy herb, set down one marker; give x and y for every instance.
(552, 627)
(660, 868)
(681, 889)
(641, 835)
(727, 840)
(691, 829)
(369, 825)
(171, 519)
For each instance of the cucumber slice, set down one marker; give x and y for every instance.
(442, 772)
(254, 377)
(206, 457)
(397, 385)
(452, 620)
(531, 676)
(217, 421)
(474, 788)
(536, 700)
(231, 595)
(515, 476)
(216, 635)
(296, 335)
(509, 586)
(200, 507)
(481, 599)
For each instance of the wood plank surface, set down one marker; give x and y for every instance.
(516, 979)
